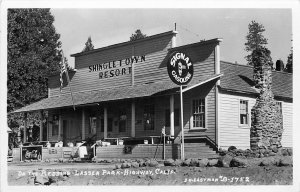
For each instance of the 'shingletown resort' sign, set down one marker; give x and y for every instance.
(116, 68)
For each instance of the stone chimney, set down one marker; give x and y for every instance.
(279, 65)
(266, 119)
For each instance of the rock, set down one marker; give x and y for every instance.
(123, 161)
(169, 162)
(118, 166)
(238, 162)
(284, 152)
(212, 162)
(290, 151)
(274, 149)
(272, 153)
(135, 164)
(178, 162)
(224, 161)
(261, 155)
(125, 165)
(186, 162)
(26, 161)
(142, 163)
(153, 163)
(285, 162)
(231, 148)
(203, 162)
(194, 163)
(108, 161)
(41, 179)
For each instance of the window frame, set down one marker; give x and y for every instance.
(281, 106)
(248, 114)
(192, 113)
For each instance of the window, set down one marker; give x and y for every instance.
(198, 113)
(122, 120)
(55, 124)
(244, 117)
(176, 117)
(279, 104)
(149, 117)
(93, 124)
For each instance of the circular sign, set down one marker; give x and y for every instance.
(180, 68)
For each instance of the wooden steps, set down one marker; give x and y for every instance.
(199, 150)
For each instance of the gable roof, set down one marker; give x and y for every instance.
(238, 78)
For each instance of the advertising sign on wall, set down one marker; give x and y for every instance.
(31, 152)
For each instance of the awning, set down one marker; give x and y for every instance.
(91, 97)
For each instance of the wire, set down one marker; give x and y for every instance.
(196, 34)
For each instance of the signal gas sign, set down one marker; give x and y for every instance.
(180, 68)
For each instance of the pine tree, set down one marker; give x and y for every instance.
(255, 39)
(88, 45)
(289, 64)
(33, 54)
(137, 35)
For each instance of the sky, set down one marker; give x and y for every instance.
(111, 26)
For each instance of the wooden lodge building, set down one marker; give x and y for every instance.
(123, 92)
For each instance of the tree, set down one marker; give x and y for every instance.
(137, 35)
(255, 39)
(88, 45)
(289, 64)
(33, 55)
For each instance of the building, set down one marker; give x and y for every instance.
(123, 92)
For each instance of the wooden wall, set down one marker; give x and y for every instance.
(155, 50)
(233, 134)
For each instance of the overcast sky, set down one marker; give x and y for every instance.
(111, 26)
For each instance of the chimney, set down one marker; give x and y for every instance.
(279, 65)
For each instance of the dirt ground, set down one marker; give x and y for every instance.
(67, 174)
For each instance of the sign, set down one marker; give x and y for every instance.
(180, 68)
(116, 68)
(67, 154)
(31, 152)
(52, 151)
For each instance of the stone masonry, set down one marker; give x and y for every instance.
(266, 118)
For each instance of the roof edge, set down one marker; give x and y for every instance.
(210, 41)
(125, 43)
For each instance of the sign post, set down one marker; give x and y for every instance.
(181, 124)
(180, 70)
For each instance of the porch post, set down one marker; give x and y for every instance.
(83, 124)
(172, 116)
(132, 119)
(25, 128)
(41, 125)
(105, 122)
(59, 126)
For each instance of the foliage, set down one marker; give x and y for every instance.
(88, 45)
(33, 55)
(255, 39)
(289, 64)
(137, 35)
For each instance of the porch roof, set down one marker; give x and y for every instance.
(137, 91)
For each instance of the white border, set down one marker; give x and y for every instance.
(294, 4)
